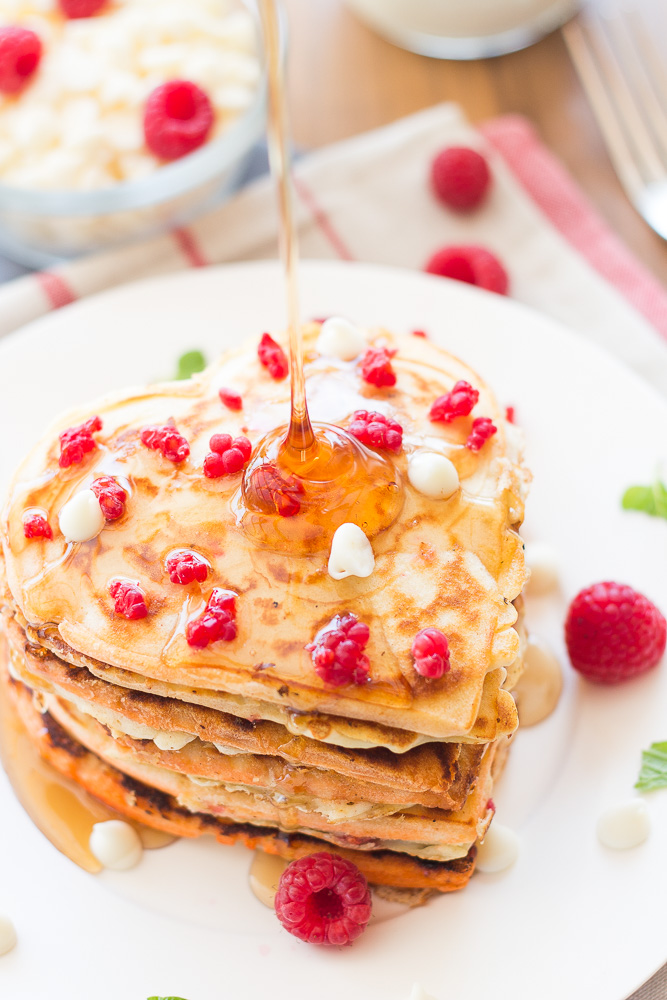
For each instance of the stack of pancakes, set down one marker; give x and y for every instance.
(243, 739)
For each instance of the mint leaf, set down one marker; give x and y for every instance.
(165, 998)
(188, 365)
(650, 500)
(653, 773)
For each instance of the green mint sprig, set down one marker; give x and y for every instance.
(189, 364)
(653, 773)
(650, 500)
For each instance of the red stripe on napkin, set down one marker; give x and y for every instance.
(551, 187)
(189, 247)
(56, 289)
(321, 218)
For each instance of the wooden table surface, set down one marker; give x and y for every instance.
(345, 79)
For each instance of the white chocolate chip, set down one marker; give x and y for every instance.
(542, 561)
(340, 339)
(116, 845)
(351, 553)
(624, 825)
(499, 849)
(7, 935)
(433, 475)
(81, 518)
(172, 741)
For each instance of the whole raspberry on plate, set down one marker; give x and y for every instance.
(472, 264)
(460, 177)
(177, 119)
(20, 53)
(323, 899)
(81, 8)
(614, 633)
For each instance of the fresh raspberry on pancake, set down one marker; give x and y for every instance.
(430, 650)
(166, 440)
(20, 53)
(458, 402)
(273, 357)
(323, 899)
(614, 633)
(186, 567)
(483, 428)
(111, 496)
(460, 177)
(217, 623)
(177, 119)
(36, 526)
(275, 492)
(376, 367)
(232, 400)
(227, 455)
(376, 431)
(338, 651)
(76, 442)
(129, 600)
(473, 265)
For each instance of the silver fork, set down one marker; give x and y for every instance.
(622, 74)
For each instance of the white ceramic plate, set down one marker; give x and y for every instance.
(571, 919)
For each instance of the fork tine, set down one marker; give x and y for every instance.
(595, 86)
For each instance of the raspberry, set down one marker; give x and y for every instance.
(272, 357)
(431, 652)
(276, 493)
(167, 440)
(614, 633)
(218, 621)
(471, 264)
(36, 526)
(20, 53)
(227, 456)
(323, 899)
(185, 567)
(337, 651)
(510, 415)
(230, 399)
(376, 366)
(458, 402)
(376, 431)
(81, 8)
(76, 442)
(420, 333)
(177, 119)
(482, 429)
(460, 178)
(111, 496)
(129, 600)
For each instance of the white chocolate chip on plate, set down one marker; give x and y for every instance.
(351, 553)
(81, 518)
(116, 845)
(499, 849)
(341, 339)
(542, 561)
(624, 825)
(7, 935)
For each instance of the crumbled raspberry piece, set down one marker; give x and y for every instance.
(230, 399)
(218, 621)
(460, 177)
(111, 496)
(323, 899)
(272, 357)
(275, 492)
(76, 442)
(20, 53)
(81, 8)
(376, 431)
(227, 455)
(376, 367)
(614, 633)
(472, 264)
(36, 526)
(420, 333)
(458, 402)
(337, 651)
(167, 440)
(483, 428)
(185, 567)
(491, 805)
(177, 119)
(129, 600)
(510, 415)
(431, 652)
